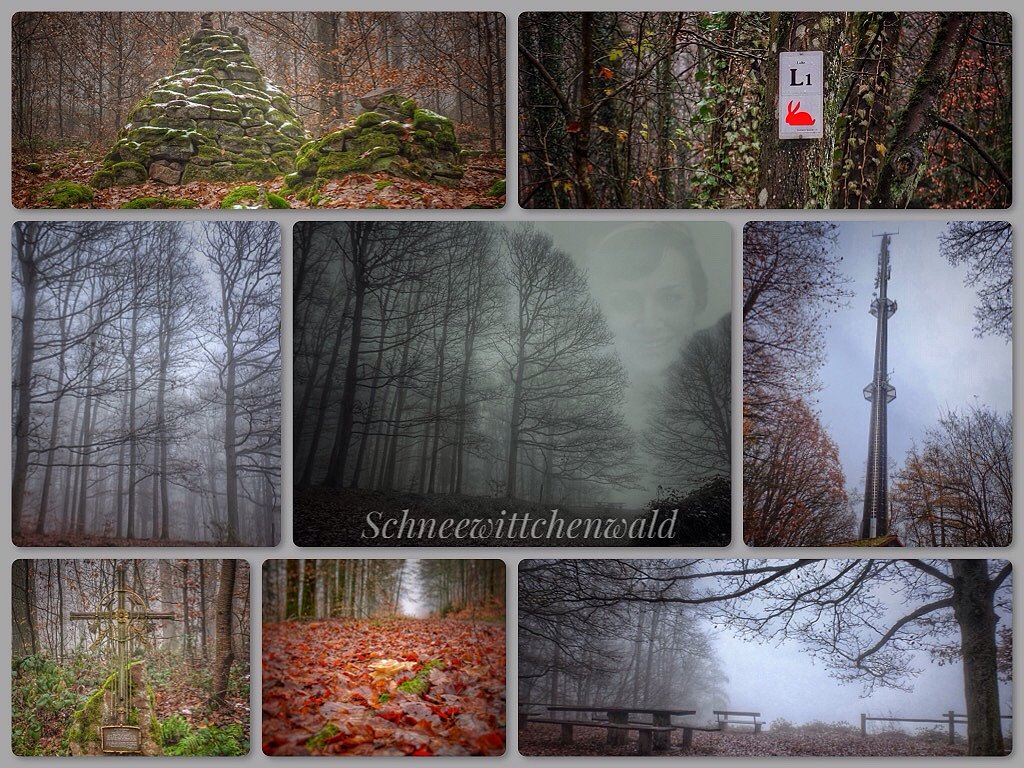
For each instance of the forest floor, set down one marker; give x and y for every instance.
(80, 540)
(31, 172)
(45, 697)
(387, 687)
(543, 739)
(325, 517)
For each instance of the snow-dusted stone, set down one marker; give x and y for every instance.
(216, 118)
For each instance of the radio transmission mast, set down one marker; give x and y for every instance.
(879, 393)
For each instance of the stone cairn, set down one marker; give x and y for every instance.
(392, 135)
(217, 118)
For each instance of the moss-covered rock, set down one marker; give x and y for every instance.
(497, 188)
(253, 196)
(395, 136)
(160, 202)
(63, 194)
(216, 118)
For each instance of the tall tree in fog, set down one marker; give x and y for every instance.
(567, 383)
(38, 248)
(622, 631)
(246, 262)
(688, 430)
(121, 441)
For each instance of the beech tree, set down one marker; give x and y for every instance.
(567, 383)
(589, 629)
(689, 428)
(956, 488)
(841, 611)
(834, 608)
(793, 484)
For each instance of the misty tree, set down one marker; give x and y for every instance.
(956, 489)
(688, 430)
(114, 435)
(451, 359)
(590, 629)
(567, 383)
(246, 262)
(390, 323)
(864, 619)
(39, 250)
(836, 609)
(986, 247)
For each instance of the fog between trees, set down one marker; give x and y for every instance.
(473, 359)
(146, 382)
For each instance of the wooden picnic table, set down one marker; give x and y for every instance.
(619, 715)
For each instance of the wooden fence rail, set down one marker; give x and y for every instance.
(951, 719)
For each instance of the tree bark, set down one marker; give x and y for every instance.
(906, 160)
(224, 654)
(975, 613)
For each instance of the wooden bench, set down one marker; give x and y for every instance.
(727, 717)
(645, 731)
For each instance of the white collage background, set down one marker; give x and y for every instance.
(511, 212)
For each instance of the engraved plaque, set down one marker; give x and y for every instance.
(121, 738)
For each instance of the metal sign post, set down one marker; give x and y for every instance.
(801, 95)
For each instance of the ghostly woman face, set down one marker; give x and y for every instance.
(651, 286)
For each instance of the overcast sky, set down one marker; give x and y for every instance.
(782, 681)
(936, 363)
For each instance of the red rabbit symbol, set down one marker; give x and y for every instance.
(795, 117)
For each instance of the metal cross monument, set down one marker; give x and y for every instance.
(126, 612)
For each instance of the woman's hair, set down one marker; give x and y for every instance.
(634, 251)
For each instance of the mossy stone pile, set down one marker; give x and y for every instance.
(217, 118)
(395, 136)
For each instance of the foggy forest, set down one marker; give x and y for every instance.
(805, 428)
(765, 657)
(147, 381)
(190, 673)
(464, 368)
(679, 110)
(383, 657)
(83, 81)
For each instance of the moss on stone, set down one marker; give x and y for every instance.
(250, 193)
(497, 188)
(215, 108)
(86, 722)
(367, 119)
(33, 167)
(408, 107)
(63, 194)
(160, 202)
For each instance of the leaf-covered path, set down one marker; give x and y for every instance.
(391, 687)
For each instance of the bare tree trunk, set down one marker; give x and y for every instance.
(224, 654)
(974, 611)
(24, 248)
